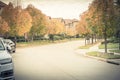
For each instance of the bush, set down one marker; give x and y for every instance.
(57, 37)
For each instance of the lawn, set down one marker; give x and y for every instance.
(116, 51)
(44, 42)
(109, 46)
(34, 43)
(103, 55)
(86, 46)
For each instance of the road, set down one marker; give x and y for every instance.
(60, 62)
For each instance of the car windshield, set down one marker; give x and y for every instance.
(8, 41)
(2, 46)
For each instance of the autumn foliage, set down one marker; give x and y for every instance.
(23, 21)
(55, 26)
(100, 15)
(38, 20)
(4, 28)
(19, 20)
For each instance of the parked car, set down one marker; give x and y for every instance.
(11, 44)
(6, 64)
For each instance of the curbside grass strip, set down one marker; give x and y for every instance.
(100, 59)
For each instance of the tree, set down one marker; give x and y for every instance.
(107, 18)
(82, 27)
(23, 21)
(117, 24)
(55, 27)
(100, 19)
(7, 15)
(4, 28)
(18, 19)
(38, 21)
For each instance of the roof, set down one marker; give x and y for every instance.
(69, 21)
(2, 4)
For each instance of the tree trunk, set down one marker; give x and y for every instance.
(105, 39)
(119, 43)
(92, 39)
(95, 38)
(85, 41)
(32, 37)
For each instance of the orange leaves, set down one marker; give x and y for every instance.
(55, 26)
(3, 26)
(38, 20)
(23, 22)
(82, 27)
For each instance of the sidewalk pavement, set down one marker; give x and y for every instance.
(95, 48)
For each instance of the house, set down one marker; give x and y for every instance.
(70, 25)
(2, 5)
(70, 22)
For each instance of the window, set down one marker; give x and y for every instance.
(2, 46)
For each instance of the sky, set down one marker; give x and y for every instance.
(67, 9)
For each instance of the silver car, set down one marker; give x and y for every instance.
(11, 44)
(6, 64)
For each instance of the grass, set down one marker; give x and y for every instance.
(103, 55)
(86, 46)
(34, 43)
(109, 46)
(43, 42)
(116, 51)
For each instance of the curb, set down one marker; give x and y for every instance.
(105, 60)
(113, 62)
(101, 59)
(97, 58)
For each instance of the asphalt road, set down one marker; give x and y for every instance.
(60, 62)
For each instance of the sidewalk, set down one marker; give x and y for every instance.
(95, 48)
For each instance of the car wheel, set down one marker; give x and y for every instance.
(14, 51)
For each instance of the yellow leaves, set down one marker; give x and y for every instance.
(55, 26)
(38, 20)
(82, 27)
(23, 22)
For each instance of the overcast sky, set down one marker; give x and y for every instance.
(69, 9)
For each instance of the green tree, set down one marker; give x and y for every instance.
(102, 18)
(117, 20)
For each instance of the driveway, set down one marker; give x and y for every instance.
(60, 62)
